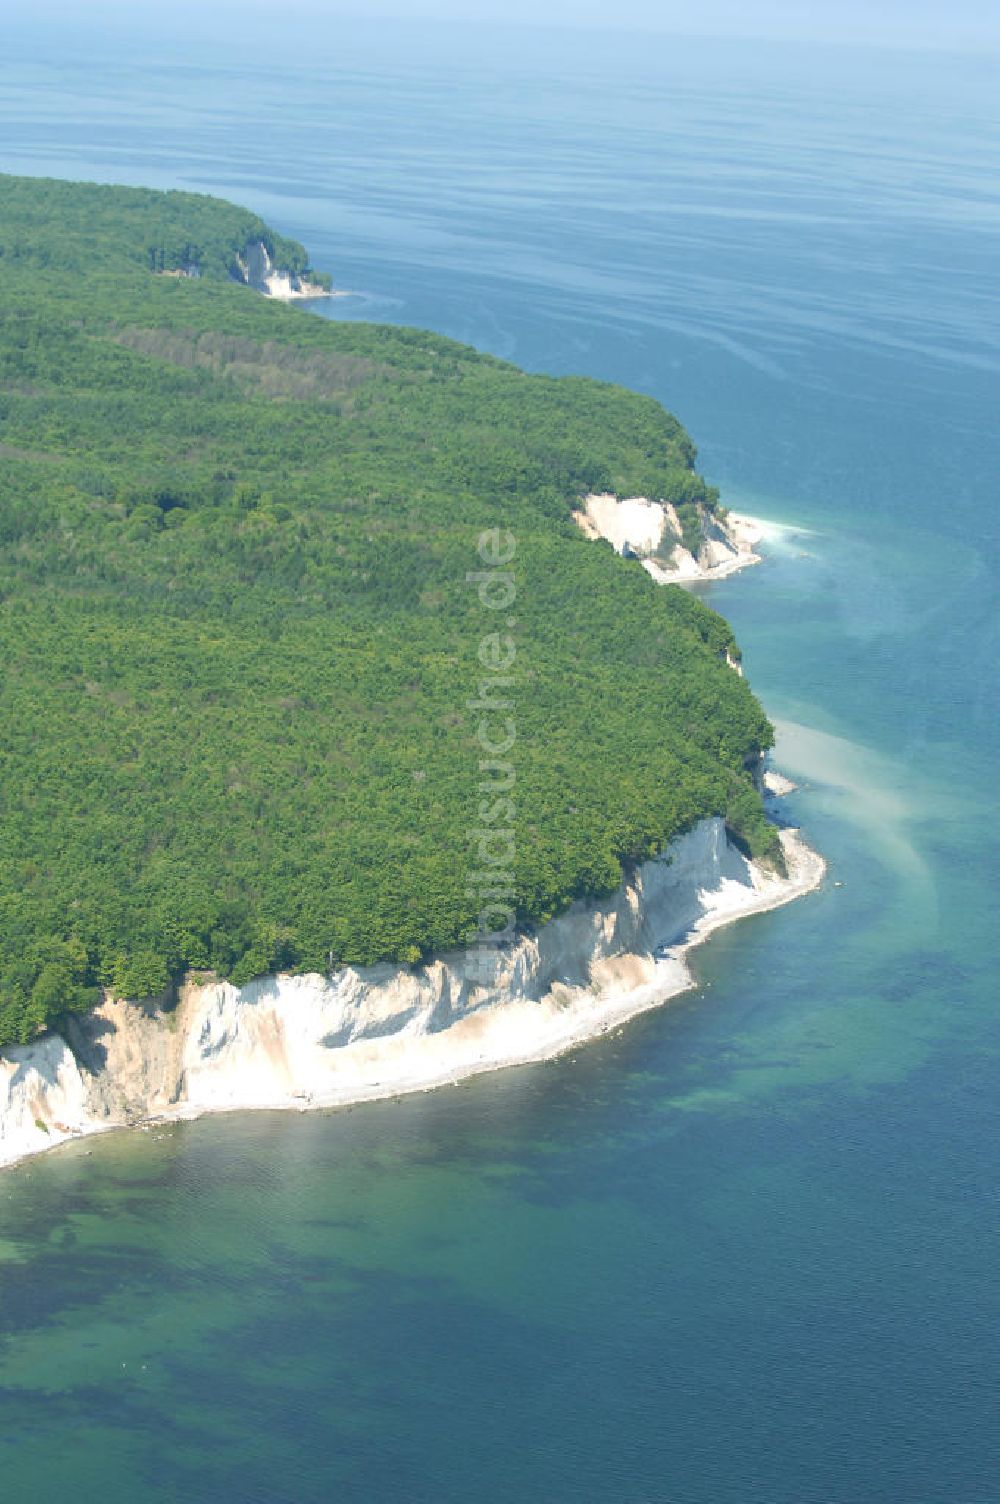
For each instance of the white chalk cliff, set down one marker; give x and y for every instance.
(367, 1032)
(257, 270)
(651, 531)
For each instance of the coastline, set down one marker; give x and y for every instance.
(671, 978)
(255, 1049)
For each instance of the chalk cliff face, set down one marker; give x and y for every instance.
(651, 531)
(43, 1097)
(256, 269)
(367, 1032)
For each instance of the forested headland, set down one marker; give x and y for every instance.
(238, 642)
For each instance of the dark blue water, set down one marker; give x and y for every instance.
(747, 1252)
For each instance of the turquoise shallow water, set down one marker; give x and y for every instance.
(747, 1251)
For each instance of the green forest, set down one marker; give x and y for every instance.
(238, 639)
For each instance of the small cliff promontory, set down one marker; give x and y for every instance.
(255, 268)
(716, 544)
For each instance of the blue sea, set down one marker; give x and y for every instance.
(746, 1252)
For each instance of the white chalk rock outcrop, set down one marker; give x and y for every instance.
(651, 530)
(257, 270)
(366, 1032)
(43, 1098)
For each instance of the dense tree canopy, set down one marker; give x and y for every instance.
(239, 641)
